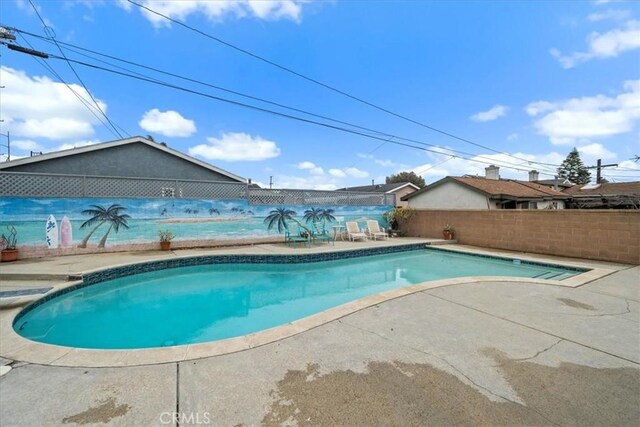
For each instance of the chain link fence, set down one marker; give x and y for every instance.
(22, 184)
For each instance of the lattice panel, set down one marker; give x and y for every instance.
(43, 185)
(212, 190)
(262, 196)
(129, 188)
(38, 185)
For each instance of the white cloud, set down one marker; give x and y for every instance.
(355, 172)
(37, 107)
(348, 172)
(568, 121)
(513, 137)
(30, 145)
(627, 170)
(338, 173)
(236, 147)
(168, 123)
(76, 144)
(597, 151)
(217, 11)
(606, 45)
(26, 145)
(306, 182)
(491, 114)
(614, 14)
(311, 167)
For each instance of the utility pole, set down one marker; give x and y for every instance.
(599, 166)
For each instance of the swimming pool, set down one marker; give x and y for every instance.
(201, 303)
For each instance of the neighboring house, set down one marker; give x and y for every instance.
(399, 189)
(610, 195)
(135, 157)
(489, 192)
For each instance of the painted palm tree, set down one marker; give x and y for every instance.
(313, 215)
(279, 217)
(99, 215)
(214, 211)
(327, 216)
(116, 221)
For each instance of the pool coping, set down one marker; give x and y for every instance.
(15, 347)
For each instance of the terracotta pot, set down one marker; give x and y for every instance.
(9, 255)
(165, 246)
(448, 234)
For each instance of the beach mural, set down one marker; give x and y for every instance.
(95, 222)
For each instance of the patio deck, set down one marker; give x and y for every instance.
(477, 352)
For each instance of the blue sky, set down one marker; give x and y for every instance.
(529, 80)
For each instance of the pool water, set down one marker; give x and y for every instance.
(212, 302)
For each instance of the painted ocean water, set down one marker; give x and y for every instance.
(187, 219)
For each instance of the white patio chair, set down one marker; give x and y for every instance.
(354, 232)
(374, 231)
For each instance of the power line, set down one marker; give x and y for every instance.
(74, 47)
(273, 112)
(325, 85)
(59, 77)
(45, 26)
(278, 113)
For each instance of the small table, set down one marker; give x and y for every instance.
(338, 229)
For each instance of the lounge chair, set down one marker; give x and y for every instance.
(318, 233)
(353, 231)
(296, 238)
(374, 231)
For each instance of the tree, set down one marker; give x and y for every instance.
(573, 169)
(406, 177)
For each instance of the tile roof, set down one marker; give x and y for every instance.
(506, 188)
(510, 188)
(605, 189)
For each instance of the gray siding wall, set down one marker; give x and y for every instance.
(136, 160)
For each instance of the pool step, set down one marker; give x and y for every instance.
(553, 275)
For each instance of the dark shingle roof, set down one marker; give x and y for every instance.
(377, 188)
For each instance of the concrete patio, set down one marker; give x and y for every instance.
(472, 353)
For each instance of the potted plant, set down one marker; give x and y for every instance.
(8, 244)
(448, 232)
(166, 236)
(398, 217)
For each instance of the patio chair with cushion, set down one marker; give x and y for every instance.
(354, 232)
(297, 237)
(374, 231)
(320, 234)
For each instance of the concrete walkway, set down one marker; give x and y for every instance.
(489, 353)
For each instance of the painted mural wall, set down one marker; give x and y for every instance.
(89, 222)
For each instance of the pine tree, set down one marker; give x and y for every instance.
(406, 177)
(573, 169)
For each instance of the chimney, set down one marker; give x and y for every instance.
(533, 175)
(372, 182)
(492, 172)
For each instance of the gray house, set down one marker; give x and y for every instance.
(135, 157)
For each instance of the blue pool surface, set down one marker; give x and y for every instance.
(203, 303)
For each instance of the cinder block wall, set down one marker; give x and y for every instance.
(606, 235)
